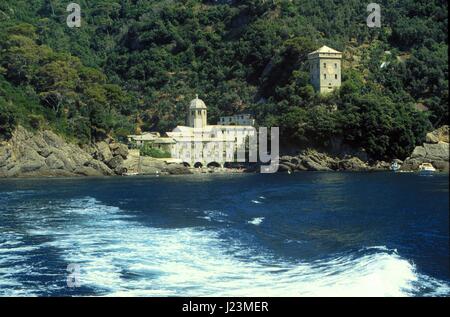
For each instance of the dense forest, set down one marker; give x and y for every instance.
(134, 65)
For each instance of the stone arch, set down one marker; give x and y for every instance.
(214, 165)
(228, 165)
(198, 165)
(186, 164)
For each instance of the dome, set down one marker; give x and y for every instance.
(197, 104)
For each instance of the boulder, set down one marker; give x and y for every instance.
(53, 140)
(30, 166)
(104, 153)
(62, 155)
(382, 165)
(87, 171)
(438, 135)
(286, 158)
(283, 168)
(54, 163)
(121, 150)
(312, 165)
(437, 152)
(353, 164)
(113, 146)
(441, 165)
(419, 151)
(100, 167)
(151, 166)
(177, 169)
(291, 166)
(115, 162)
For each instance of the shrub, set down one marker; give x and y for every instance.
(148, 150)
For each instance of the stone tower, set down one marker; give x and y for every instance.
(197, 114)
(325, 69)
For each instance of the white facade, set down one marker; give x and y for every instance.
(200, 144)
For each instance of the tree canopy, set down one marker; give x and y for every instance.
(134, 65)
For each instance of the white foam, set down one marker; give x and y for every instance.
(256, 221)
(121, 257)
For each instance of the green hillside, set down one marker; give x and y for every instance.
(136, 64)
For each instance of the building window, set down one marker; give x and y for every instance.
(335, 65)
(335, 76)
(324, 65)
(324, 76)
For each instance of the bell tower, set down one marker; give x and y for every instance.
(197, 114)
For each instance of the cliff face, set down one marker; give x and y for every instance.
(44, 153)
(435, 151)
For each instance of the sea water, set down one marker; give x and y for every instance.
(304, 234)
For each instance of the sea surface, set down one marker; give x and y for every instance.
(305, 234)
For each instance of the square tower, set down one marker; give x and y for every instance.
(325, 69)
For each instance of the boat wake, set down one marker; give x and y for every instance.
(118, 256)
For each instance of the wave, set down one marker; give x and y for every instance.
(119, 256)
(256, 221)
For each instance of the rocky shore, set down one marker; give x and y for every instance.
(312, 160)
(435, 150)
(45, 154)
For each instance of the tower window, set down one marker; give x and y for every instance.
(324, 76)
(324, 65)
(335, 65)
(335, 76)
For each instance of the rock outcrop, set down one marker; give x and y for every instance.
(44, 153)
(438, 135)
(435, 151)
(312, 160)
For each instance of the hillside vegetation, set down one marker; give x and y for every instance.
(135, 65)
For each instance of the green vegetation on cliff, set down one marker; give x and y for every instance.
(138, 63)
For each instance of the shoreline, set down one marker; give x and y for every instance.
(166, 175)
(43, 154)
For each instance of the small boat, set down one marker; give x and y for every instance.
(426, 168)
(395, 166)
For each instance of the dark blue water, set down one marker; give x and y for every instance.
(306, 234)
